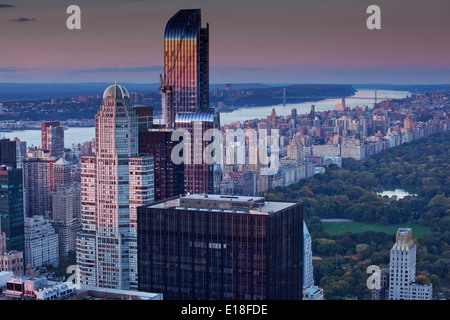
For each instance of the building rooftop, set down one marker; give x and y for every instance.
(223, 203)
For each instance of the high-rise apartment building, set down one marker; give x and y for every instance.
(402, 270)
(61, 173)
(38, 181)
(185, 94)
(66, 216)
(11, 207)
(185, 84)
(205, 247)
(41, 242)
(52, 135)
(114, 183)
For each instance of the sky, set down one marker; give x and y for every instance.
(258, 41)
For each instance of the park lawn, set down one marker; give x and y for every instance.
(355, 227)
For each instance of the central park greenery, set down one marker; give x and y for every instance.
(422, 168)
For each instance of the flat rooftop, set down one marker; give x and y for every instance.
(224, 203)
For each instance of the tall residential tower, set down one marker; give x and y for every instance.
(185, 95)
(114, 183)
(185, 84)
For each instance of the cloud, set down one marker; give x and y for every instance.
(23, 20)
(109, 70)
(6, 5)
(8, 69)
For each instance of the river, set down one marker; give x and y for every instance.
(75, 135)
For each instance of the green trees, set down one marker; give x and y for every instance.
(421, 168)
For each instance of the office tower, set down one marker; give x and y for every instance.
(21, 151)
(61, 173)
(11, 207)
(8, 153)
(185, 84)
(402, 270)
(308, 279)
(168, 177)
(294, 116)
(199, 175)
(205, 247)
(114, 183)
(41, 242)
(38, 182)
(312, 112)
(52, 135)
(144, 116)
(310, 291)
(66, 216)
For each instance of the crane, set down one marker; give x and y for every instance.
(167, 90)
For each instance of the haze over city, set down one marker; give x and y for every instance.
(251, 41)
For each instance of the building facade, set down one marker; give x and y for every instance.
(207, 247)
(11, 208)
(66, 216)
(8, 152)
(52, 135)
(169, 176)
(10, 260)
(185, 84)
(402, 270)
(114, 183)
(38, 180)
(310, 291)
(185, 95)
(41, 242)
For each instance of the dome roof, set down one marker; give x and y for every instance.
(116, 91)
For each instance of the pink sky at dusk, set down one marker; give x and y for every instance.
(288, 41)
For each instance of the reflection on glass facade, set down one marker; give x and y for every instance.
(185, 85)
(217, 253)
(11, 208)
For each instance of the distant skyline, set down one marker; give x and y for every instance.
(287, 41)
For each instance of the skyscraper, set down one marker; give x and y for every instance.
(66, 216)
(38, 180)
(8, 153)
(61, 173)
(11, 207)
(185, 94)
(402, 270)
(41, 242)
(204, 247)
(310, 292)
(52, 135)
(185, 84)
(114, 183)
(169, 177)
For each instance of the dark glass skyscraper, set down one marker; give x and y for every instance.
(185, 93)
(11, 207)
(8, 152)
(209, 247)
(185, 84)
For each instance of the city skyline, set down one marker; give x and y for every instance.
(290, 42)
